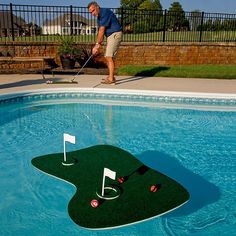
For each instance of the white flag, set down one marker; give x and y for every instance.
(69, 138)
(107, 173)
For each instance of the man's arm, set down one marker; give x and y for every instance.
(99, 40)
(101, 33)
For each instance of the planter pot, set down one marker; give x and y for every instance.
(67, 63)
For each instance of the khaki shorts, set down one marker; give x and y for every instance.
(113, 43)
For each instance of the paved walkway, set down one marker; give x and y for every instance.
(10, 83)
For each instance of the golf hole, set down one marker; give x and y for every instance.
(110, 193)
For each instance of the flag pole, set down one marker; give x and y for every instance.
(64, 150)
(103, 183)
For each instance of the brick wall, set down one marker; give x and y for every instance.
(25, 49)
(176, 53)
(138, 53)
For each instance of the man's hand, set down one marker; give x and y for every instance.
(95, 49)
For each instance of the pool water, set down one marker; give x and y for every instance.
(195, 146)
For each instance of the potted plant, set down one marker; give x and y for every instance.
(68, 52)
(85, 53)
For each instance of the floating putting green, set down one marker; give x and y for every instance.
(135, 202)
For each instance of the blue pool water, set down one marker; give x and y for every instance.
(193, 144)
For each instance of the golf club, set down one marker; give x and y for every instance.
(82, 67)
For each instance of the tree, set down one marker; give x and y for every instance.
(144, 16)
(130, 4)
(141, 5)
(176, 19)
(229, 24)
(176, 7)
(150, 5)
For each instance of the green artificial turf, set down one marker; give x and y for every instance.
(135, 203)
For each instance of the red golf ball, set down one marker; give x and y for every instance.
(153, 188)
(94, 203)
(121, 180)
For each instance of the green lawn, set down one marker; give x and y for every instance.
(182, 36)
(179, 36)
(191, 71)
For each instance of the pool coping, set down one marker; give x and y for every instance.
(217, 96)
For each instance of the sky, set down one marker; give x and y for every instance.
(214, 6)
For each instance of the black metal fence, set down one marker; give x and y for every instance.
(33, 23)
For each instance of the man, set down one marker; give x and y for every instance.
(110, 27)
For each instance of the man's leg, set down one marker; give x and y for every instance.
(111, 68)
(113, 43)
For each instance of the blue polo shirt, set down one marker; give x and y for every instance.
(108, 19)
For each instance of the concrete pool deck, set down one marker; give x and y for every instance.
(10, 83)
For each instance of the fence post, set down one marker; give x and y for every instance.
(200, 39)
(71, 20)
(164, 27)
(12, 23)
(122, 18)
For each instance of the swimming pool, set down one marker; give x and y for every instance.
(193, 140)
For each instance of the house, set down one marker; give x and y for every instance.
(67, 24)
(19, 25)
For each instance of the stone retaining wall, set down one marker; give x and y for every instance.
(137, 53)
(177, 54)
